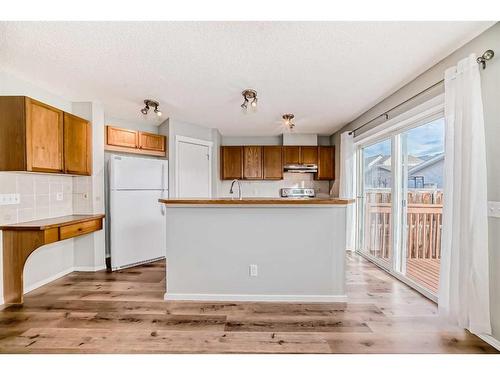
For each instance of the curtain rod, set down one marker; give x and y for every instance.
(488, 55)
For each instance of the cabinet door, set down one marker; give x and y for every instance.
(153, 142)
(77, 145)
(44, 137)
(326, 163)
(291, 154)
(309, 154)
(121, 137)
(252, 162)
(273, 162)
(231, 162)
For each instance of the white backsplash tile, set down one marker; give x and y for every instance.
(38, 196)
(271, 188)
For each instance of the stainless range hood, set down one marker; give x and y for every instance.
(300, 168)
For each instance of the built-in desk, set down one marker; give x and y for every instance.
(21, 239)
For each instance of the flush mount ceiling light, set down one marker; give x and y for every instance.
(288, 119)
(151, 104)
(249, 96)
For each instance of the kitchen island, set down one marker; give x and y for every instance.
(256, 249)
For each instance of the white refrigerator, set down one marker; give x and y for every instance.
(137, 219)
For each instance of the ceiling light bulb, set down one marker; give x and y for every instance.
(158, 112)
(254, 103)
(245, 104)
(144, 111)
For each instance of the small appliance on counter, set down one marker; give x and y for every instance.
(297, 193)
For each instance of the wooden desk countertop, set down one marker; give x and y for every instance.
(54, 222)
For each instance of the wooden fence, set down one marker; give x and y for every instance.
(424, 223)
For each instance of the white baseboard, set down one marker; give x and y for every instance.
(255, 297)
(490, 340)
(38, 284)
(89, 268)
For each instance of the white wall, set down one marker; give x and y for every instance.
(89, 197)
(490, 79)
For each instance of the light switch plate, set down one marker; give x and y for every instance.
(6, 199)
(494, 209)
(59, 196)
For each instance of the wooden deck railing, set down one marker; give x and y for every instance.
(424, 223)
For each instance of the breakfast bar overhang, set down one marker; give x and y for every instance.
(259, 249)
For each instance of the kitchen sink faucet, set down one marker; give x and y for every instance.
(239, 188)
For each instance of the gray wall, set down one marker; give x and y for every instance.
(490, 79)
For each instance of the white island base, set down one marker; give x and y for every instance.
(296, 252)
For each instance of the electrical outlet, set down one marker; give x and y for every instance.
(6, 199)
(494, 209)
(59, 196)
(252, 268)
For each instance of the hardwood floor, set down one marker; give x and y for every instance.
(124, 312)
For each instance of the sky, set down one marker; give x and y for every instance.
(427, 139)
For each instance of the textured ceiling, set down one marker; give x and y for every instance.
(326, 73)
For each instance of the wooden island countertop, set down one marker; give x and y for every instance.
(257, 201)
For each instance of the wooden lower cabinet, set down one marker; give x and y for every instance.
(252, 163)
(77, 145)
(273, 162)
(231, 166)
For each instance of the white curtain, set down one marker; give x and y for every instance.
(464, 280)
(347, 186)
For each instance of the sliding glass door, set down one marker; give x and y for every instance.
(376, 201)
(422, 170)
(399, 202)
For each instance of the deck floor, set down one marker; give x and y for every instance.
(424, 272)
(124, 312)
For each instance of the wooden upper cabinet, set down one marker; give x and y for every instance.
(291, 154)
(121, 137)
(309, 154)
(252, 163)
(231, 162)
(44, 137)
(37, 137)
(273, 162)
(136, 142)
(77, 145)
(326, 163)
(154, 142)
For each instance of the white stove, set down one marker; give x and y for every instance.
(297, 193)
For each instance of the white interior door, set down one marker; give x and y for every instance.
(193, 169)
